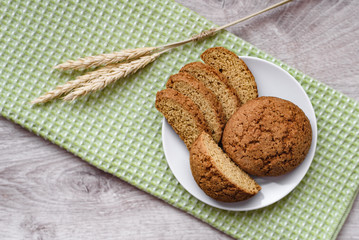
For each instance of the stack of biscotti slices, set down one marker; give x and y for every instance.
(197, 103)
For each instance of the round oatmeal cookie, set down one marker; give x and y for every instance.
(267, 136)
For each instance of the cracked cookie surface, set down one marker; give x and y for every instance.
(267, 136)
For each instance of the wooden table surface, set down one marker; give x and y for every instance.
(48, 193)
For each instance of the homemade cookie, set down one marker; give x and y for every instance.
(217, 175)
(267, 136)
(215, 82)
(182, 114)
(234, 69)
(204, 98)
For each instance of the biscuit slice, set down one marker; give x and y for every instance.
(234, 69)
(215, 82)
(217, 175)
(204, 98)
(182, 114)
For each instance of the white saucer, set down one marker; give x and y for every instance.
(271, 81)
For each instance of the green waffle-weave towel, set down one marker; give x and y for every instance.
(118, 129)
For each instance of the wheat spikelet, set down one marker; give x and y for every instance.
(105, 59)
(70, 85)
(57, 92)
(97, 73)
(116, 72)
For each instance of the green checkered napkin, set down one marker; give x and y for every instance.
(118, 129)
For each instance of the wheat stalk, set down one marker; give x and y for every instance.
(132, 60)
(99, 80)
(105, 59)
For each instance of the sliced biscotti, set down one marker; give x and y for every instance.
(234, 69)
(182, 114)
(204, 98)
(215, 82)
(217, 175)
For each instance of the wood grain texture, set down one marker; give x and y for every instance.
(48, 193)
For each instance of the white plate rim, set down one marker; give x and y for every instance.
(260, 198)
